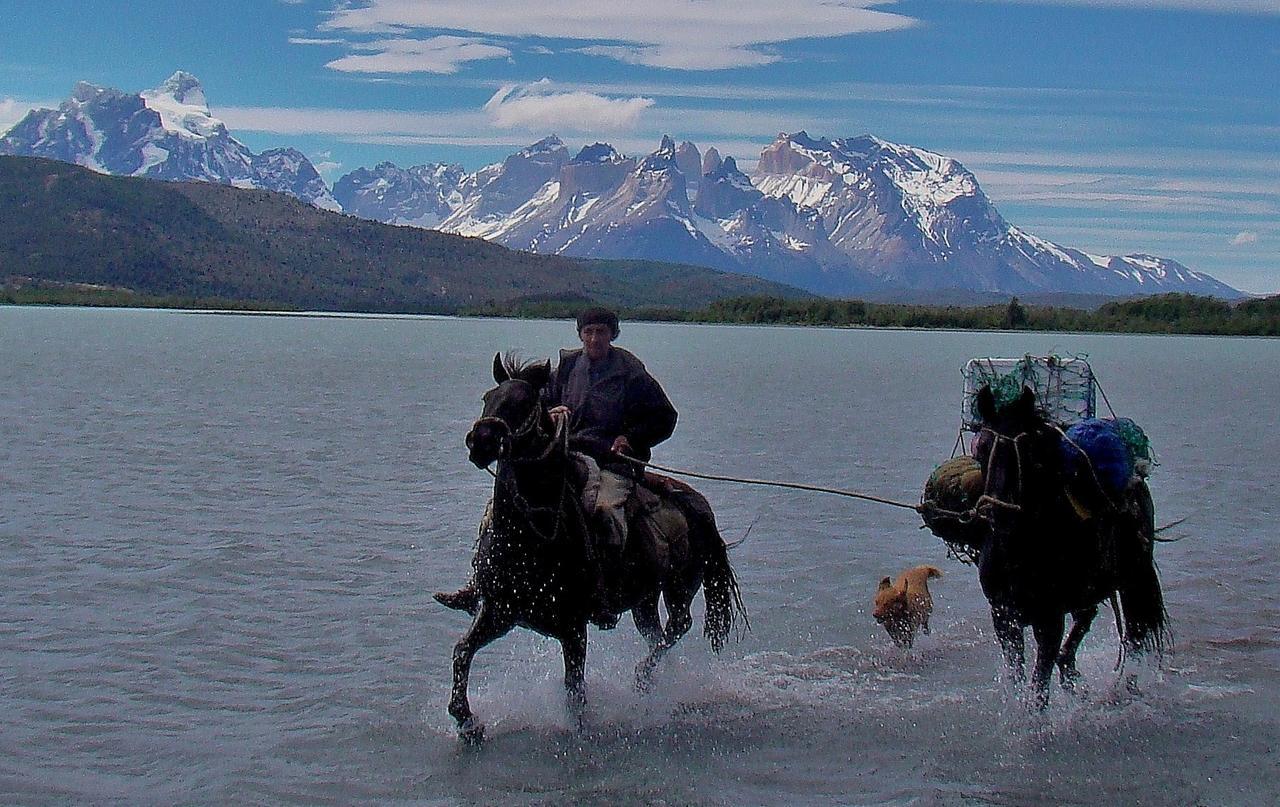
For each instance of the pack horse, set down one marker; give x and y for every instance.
(1057, 522)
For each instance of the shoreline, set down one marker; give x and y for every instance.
(692, 319)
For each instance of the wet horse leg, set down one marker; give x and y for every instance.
(647, 622)
(1081, 621)
(679, 621)
(486, 627)
(1048, 633)
(1009, 634)
(574, 646)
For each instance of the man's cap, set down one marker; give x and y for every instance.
(597, 315)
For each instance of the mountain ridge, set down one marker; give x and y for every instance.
(208, 240)
(850, 216)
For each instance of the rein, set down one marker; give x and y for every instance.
(559, 439)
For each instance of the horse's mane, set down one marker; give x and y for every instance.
(518, 367)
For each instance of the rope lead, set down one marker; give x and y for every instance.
(852, 494)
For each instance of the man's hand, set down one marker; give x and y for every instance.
(621, 445)
(559, 413)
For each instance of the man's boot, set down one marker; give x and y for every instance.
(464, 599)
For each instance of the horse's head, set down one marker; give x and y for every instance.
(512, 410)
(1017, 450)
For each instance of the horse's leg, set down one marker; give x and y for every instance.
(574, 646)
(486, 627)
(1081, 621)
(1048, 633)
(645, 615)
(679, 620)
(1009, 634)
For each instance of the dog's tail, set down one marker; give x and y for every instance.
(931, 572)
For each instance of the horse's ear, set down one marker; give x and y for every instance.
(499, 371)
(885, 583)
(986, 404)
(1026, 403)
(537, 374)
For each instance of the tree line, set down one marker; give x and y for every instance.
(1168, 313)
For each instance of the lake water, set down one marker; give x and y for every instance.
(219, 536)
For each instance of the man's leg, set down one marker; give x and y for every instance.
(464, 599)
(610, 540)
(467, 598)
(611, 510)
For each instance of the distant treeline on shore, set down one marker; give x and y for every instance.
(1169, 313)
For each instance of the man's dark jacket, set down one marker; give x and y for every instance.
(623, 400)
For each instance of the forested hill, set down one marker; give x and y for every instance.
(64, 224)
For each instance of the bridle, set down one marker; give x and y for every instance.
(987, 502)
(559, 439)
(508, 436)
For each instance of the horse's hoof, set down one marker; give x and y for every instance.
(1131, 685)
(471, 731)
(1068, 678)
(644, 681)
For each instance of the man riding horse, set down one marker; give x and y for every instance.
(613, 409)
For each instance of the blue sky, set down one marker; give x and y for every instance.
(1113, 126)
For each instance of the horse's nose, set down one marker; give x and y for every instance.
(482, 445)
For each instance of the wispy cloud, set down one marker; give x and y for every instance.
(540, 106)
(1207, 6)
(439, 54)
(312, 40)
(10, 113)
(677, 34)
(352, 123)
(1244, 238)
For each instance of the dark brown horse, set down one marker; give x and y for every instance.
(1059, 545)
(533, 567)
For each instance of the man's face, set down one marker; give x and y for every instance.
(595, 340)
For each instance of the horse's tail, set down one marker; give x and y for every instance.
(720, 588)
(1146, 622)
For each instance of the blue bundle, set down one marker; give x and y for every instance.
(1106, 449)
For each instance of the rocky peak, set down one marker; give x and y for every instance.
(183, 88)
(711, 161)
(689, 161)
(597, 153)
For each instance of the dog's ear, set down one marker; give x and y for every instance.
(885, 583)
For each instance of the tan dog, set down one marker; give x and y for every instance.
(904, 607)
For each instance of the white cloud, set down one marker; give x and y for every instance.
(10, 113)
(305, 40)
(326, 165)
(678, 34)
(1243, 238)
(540, 107)
(683, 58)
(439, 54)
(1207, 6)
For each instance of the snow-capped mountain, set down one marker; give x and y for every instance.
(421, 196)
(841, 216)
(919, 219)
(836, 217)
(163, 133)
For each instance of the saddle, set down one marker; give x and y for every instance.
(660, 513)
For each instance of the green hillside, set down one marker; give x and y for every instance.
(61, 224)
